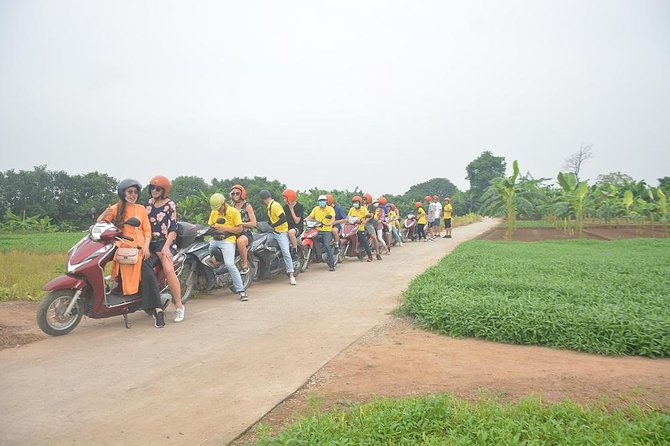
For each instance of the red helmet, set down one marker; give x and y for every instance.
(161, 181)
(417, 204)
(357, 198)
(243, 191)
(428, 198)
(330, 200)
(382, 200)
(368, 198)
(290, 195)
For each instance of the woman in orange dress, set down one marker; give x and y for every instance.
(140, 276)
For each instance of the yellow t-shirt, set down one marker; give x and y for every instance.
(448, 209)
(361, 212)
(422, 216)
(319, 214)
(275, 211)
(232, 217)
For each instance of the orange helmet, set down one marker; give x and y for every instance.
(368, 198)
(427, 198)
(382, 200)
(243, 191)
(290, 195)
(330, 200)
(417, 204)
(357, 198)
(161, 181)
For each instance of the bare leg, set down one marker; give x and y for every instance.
(242, 243)
(172, 280)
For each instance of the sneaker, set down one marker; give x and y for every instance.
(370, 259)
(447, 236)
(291, 280)
(244, 270)
(379, 257)
(159, 319)
(332, 268)
(179, 314)
(243, 296)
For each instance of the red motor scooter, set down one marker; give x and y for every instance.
(84, 290)
(312, 251)
(349, 246)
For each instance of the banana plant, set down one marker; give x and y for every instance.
(660, 201)
(574, 194)
(507, 195)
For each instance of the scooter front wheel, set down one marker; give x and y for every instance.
(305, 258)
(187, 279)
(51, 316)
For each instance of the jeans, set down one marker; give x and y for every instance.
(282, 241)
(228, 249)
(396, 235)
(326, 238)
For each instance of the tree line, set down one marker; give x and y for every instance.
(45, 200)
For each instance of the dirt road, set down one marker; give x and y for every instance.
(205, 380)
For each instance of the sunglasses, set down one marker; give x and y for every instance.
(156, 188)
(236, 193)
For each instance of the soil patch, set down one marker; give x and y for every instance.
(18, 325)
(591, 232)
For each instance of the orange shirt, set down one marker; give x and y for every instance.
(131, 274)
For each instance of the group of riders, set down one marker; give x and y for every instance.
(378, 223)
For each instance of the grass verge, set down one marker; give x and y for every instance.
(445, 420)
(599, 297)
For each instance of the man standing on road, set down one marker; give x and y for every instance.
(278, 221)
(438, 216)
(448, 209)
(430, 216)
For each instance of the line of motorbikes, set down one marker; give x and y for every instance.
(87, 290)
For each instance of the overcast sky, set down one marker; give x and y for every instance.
(334, 94)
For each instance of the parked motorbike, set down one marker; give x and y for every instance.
(349, 246)
(203, 273)
(409, 228)
(268, 258)
(84, 289)
(312, 249)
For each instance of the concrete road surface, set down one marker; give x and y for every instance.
(205, 380)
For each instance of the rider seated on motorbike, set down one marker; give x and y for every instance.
(393, 219)
(371, 224)
(239, 196)
(294, 215)
(228, 223)
(340, 219)
(325, 215)
(360, 213)
(139, 276)
(278, 221)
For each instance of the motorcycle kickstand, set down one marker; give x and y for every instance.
(125, 320)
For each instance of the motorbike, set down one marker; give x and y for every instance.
(409, 228)
(204, 271)
(312, 251)
(268, 258)
(86, 290)
(349, 246)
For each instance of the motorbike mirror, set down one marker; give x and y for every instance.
(221, 221)
(132, 221)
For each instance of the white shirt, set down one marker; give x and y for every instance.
(438, 210)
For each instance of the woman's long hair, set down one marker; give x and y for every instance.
(120, 213)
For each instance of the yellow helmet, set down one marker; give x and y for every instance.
(216, 201)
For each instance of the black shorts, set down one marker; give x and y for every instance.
(447, 222)
(157, 246)
(249, 235)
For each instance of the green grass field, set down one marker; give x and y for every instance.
(29, 261)
(444, 420)
(601, 297)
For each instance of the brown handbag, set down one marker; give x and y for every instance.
(127, 256)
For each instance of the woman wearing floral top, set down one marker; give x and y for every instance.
(163, 219)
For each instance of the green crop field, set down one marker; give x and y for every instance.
(29, 261)
(601, 297)
(444, 420)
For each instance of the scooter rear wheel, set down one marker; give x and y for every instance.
(187, 279)
(51, 313)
